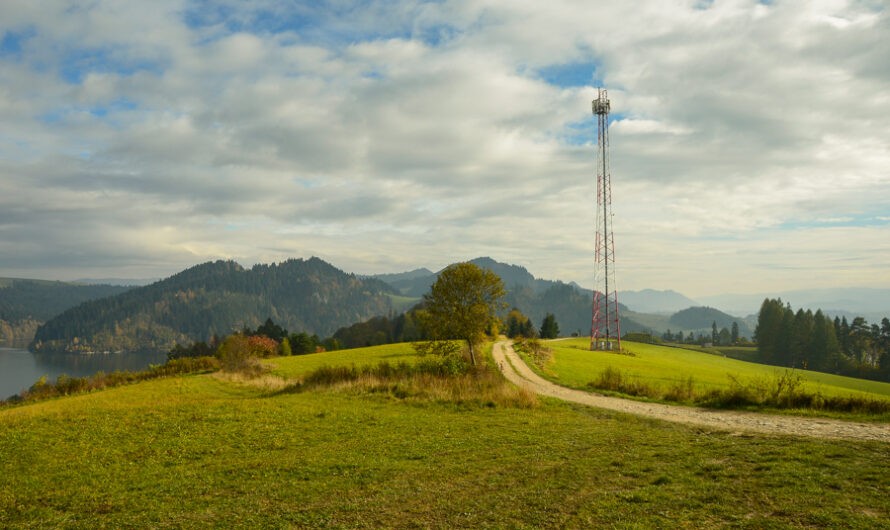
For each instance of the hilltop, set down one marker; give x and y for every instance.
(205, 450)
(26, 303)
(535, 297)
(216, 298)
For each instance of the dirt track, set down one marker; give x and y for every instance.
(520, 374)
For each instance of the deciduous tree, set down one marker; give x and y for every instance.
(463, 304)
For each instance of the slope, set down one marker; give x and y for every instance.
(215, 299)
(27, 303)
(535, 297)
(203, 452)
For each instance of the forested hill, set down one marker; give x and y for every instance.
(42, 299)
(25, 304)
(700, 319)
(534, 297)
(217, 298)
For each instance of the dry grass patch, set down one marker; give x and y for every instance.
(264, 381)
(438, 380)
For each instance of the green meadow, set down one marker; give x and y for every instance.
(297, 366)
(206, 451)
(573, 364)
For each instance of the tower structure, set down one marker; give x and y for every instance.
(605, 328)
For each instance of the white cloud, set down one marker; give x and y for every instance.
(385, 136)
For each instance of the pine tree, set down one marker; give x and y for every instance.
(549, 327)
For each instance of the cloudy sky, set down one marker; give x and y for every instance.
(750, 139)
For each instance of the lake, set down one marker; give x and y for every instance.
(19, 369)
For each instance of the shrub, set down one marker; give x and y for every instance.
(647, 338)
(235, 354)
(65, 385)
(443, 348)
(612, 379)
(450, 378)
(682, 391)
(534, 348)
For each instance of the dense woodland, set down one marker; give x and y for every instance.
(814, 341)
(26, 304)
(214, 299)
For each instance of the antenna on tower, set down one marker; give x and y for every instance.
(605, 325)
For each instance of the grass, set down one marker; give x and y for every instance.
(666, 373)
(200, 451)
(297, 366)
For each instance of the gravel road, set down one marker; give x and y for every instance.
(736, 422)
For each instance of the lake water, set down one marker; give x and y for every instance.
(19, 369)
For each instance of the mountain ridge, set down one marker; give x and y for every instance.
(216, 298)
(647, 310)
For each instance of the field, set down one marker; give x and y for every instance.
(575, 366)
(297, 366)
(202, 451)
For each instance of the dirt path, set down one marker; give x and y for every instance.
(520, 374)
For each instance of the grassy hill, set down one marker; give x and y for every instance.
(666, 367)
(201, 451)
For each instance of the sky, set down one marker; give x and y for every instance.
(750, 140)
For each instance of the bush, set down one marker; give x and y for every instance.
(236, 354)
(534, 348)
(443, 348)
(647, 338)
(784, 390)
(65, 385)
(613, 380)
(450, 378)
(197, 349)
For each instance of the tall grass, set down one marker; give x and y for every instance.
(535, 350)
(449, 379)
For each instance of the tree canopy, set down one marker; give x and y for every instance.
(549, 327)
(463, 304)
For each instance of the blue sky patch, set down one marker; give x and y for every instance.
(11, 44)
(321, 23)
(77, 64)
(846, 221)
(572, 74)
(118, 105)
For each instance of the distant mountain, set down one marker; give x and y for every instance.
(123, 282)
(513, 275)
(404, 276)
(42, 299)
(414, 283)
(569, 303)
(652, 301)
(855, 301)
(217, 298)
(25, 304)
(700, 319)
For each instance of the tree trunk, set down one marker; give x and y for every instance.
(472, 355)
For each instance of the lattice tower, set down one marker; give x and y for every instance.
(605, 328)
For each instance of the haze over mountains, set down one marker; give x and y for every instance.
(316, 297)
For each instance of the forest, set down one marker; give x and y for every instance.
(215, 299)
(814, 341)
(26, 304)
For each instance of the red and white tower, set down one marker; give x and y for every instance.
(605, 329)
